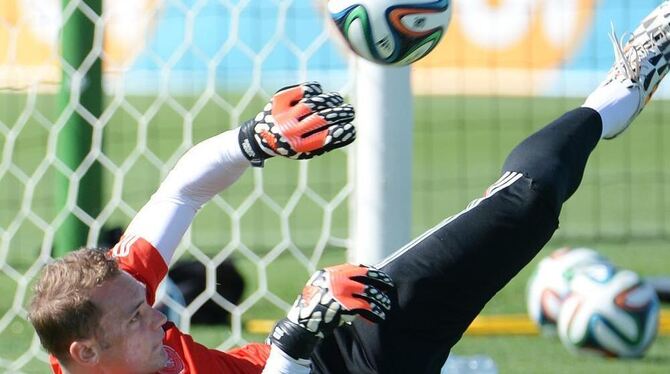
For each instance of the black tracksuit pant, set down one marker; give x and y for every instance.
(445, 277)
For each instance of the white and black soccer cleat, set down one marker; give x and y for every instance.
(643, 61)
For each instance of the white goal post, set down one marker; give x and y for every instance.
(381, 207)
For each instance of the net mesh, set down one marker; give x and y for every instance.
(174, 73)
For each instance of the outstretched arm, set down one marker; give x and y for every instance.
(299, 122)
(205, 170)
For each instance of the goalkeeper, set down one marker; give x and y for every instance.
(93, 313)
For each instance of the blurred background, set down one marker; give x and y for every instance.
(99, 99)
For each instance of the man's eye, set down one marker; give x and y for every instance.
(135, 318)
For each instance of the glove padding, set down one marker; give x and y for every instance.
(299, 122)
(333, 296)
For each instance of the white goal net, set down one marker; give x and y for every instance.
(174, 72)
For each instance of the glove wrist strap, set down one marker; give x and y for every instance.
(295, 341)
(248, 145)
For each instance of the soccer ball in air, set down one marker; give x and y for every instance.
(550, 283)
(609, 312)
(392, 32)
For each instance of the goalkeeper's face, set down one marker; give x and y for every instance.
(130, 338)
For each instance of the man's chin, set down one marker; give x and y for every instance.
(161, 358)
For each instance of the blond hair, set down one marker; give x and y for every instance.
(61, 310)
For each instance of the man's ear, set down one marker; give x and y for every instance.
(85, 352)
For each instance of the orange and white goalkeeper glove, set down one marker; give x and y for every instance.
(333, 296)
(299, 122)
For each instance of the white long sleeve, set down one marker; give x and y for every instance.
(205, 170)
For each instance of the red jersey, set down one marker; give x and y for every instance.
(140, 259)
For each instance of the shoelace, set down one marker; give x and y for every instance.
(620, 57)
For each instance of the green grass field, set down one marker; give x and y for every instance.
(460, 144)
